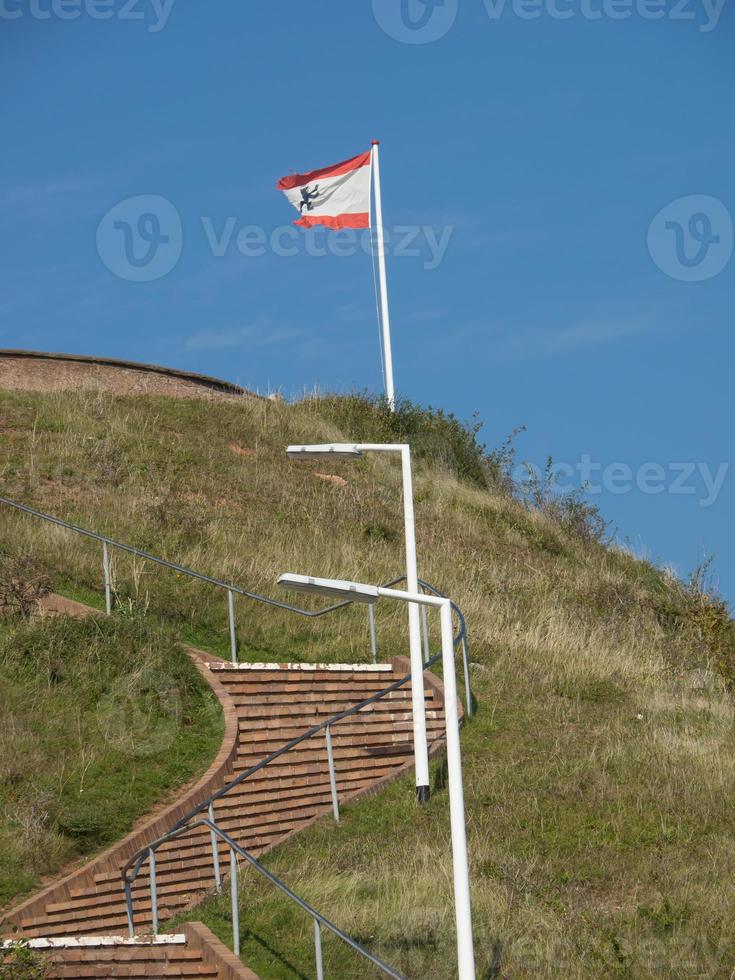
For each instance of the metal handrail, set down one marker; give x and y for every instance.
(230, 587)
(184, 825)
(174, 566)
(132, 868)
(319, 919)
(292, 743)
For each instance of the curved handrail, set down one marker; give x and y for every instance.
(174, 566)
(201, 576)
(184, 825)
(292, 743)
(132, 868)
(282, 886)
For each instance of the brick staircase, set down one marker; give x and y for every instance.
(194, 953)
(265, 705)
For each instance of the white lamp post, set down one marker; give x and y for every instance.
(371, 593)
(355, 451)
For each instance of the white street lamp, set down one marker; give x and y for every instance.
(359, 592)
(341, 450)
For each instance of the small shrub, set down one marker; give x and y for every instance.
(23, 963)
(571, 511)
(22, 584)
(708, 619)
(375, 531)
(433, 434)
(499, 464)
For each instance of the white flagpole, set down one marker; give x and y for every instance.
(385, 318)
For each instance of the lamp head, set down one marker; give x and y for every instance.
(337, 588)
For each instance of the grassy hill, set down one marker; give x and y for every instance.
(100, 720)
(600, 766)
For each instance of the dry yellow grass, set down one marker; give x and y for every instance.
(599, 770)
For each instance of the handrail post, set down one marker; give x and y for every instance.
(106, 571)
(466, 666)
(129, 908)
(234, 901)
(215, 852)
(154, 890)
(332, 774)
(318, 950)
(373, 634)
(425, 631)
(233, 631)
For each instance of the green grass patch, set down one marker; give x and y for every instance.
(102, 719)
(600, 766)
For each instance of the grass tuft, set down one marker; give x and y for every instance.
(599, 769)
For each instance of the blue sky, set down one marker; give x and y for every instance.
(573, 158)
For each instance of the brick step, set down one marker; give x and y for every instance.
(296, 718)
(111, 918)
(182, 855)
(196, 953)
(317, 796)
(226, 672)
(179, 885)
(187, 853)
(363, 737)
(357, 724)
(346, 691)
(227, 812)
(273, 706)
(165, 885)
(317, 707)
(345, 750)
(133, 971)
(313, 766)
(293, 686)
(86, 919)
(348, 699)
(131, 954)
(236, 809)
(382, 729)
(122, 970)
(230, 821)
(189, 859)
(116, 925)
(197, 872)
(343, 699)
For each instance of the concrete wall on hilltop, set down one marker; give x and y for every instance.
(40, 371)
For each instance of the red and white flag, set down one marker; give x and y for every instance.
(336, 196)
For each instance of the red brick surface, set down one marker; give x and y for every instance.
(263, 709)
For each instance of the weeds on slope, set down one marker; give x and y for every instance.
(600, 768)
(100, 719)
